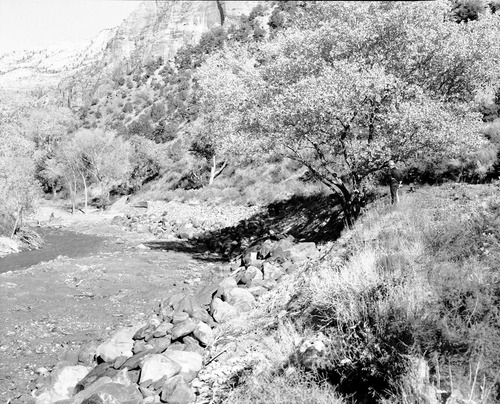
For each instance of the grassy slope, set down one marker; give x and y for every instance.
(419, 281)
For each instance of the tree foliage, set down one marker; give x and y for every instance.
(20, 190)
(368, 83)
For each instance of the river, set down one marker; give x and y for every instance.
(57, 242)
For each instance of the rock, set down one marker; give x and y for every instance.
(257, 290)
(204, 334)
(81, 395)
(182, 329)
(191, 344)
(191, 306)
(139, 346)
(160, 344)
(226, 284)
(103, 370)
(141, 204)
(311, 350)
(122, 377)
(120, 344)
(303, 251)
(249, 258)
(251, 273)
(87, 353)
(46, 395)
(178, 346)
(180, 318)
(112, 393)
(162, 330)
(191, 362)
(266, 283)
(271, 271)
(240, 299)
(156, 366)
(66, 378)
(265, 251)
(142, 332)
(280, 255)
(71, 356)
(119, 362)
(222, 311)
(177, 391)
(205, 294)
(151, 400)
(135, 362)
(147, 392)
(117, 220)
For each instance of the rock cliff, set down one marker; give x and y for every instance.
(155, 28)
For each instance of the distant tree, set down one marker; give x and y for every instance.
(19, 188)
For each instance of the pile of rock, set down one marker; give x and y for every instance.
(159, 361)
(181, 220)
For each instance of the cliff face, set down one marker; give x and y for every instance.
(160, 28)
(155, 28)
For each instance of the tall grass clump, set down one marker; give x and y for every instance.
(418, 281)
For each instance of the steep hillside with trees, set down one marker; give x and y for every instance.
(271, 102)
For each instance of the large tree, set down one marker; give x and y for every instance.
(370, 82)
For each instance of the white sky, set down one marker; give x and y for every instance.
(30, 24)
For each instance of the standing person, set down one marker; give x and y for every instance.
(395, 181)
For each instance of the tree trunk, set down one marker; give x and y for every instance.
(15, 223)
(85, 191)
(214, 173)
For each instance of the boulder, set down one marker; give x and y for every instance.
(142, 332)
(251, 273)
(222, 311)
(271, 271)
(103, 370)
(65, 379)
(135, 362)
(120, 344)
(160, 344)
(177, 391)
(240, 299)
(87, 353)
(191, 306)
(257, 291)
(162, 330)
(204, 334)
(249, 258)
(205, 294)
(265, 250)
(154, 367)
(113, 393)
(182, 329)
(139, 346)
(303, 251)
(180, 317)
(226, 284)
(122, 377)
(191, 344)
(191, 362)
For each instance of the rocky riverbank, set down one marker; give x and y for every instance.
(163, 283)
(182, 353)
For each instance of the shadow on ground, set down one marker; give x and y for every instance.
(316, 218)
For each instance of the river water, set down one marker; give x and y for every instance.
(57, 242)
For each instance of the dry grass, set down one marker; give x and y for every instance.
(292, 388)
(419, 280)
